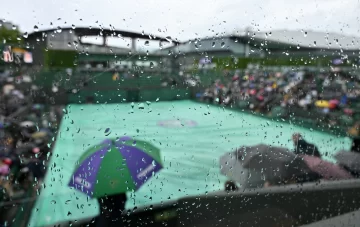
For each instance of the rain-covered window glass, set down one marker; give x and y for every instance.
(179, 113)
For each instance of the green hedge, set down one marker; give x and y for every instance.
(60, 58)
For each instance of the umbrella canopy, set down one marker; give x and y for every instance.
(231, 167)
(350, 160)
(328, 170)
(277, 164)
(115, 166)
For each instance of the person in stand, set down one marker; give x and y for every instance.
(303, 147)
(354, 132)
(111, 208)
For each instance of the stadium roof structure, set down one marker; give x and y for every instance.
(277, 41)
(311, 39)
(105, 32)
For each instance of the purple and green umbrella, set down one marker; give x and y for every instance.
(116, 166)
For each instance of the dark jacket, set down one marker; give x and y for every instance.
(305, 148)
(111, 208)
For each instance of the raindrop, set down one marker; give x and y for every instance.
(298, 46)
(305, 34)
(53, 202)
(107, 131)
(25, 35)
(141, 106)
(157, 100)
(58, 30)
(213, 44)
(146, 43)
(151, 65)
(222, 44)
(73, 26)
(14, 27)
(36, 28)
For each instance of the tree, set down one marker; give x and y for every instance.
(9, 35)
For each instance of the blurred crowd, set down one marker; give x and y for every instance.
(333, 97)
(27, 133)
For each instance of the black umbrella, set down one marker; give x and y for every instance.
(349, 160)
(277, 164)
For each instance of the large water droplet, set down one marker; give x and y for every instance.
(146, 43)
(107, 131)
(36, 28)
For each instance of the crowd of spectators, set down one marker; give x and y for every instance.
(329, 97)
(27, 131)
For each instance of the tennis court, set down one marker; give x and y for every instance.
(191, 137)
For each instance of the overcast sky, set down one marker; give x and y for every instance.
(185, 19)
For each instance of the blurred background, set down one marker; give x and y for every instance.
(138, 114)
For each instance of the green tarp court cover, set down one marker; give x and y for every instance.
(191, 137)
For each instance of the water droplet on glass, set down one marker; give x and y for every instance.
(151, 65)
(107, 131)
(141, 106)
(146, 43)
(222, 44)
(58, 30)
(36, 28)
(213, 44)
(25, 35)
